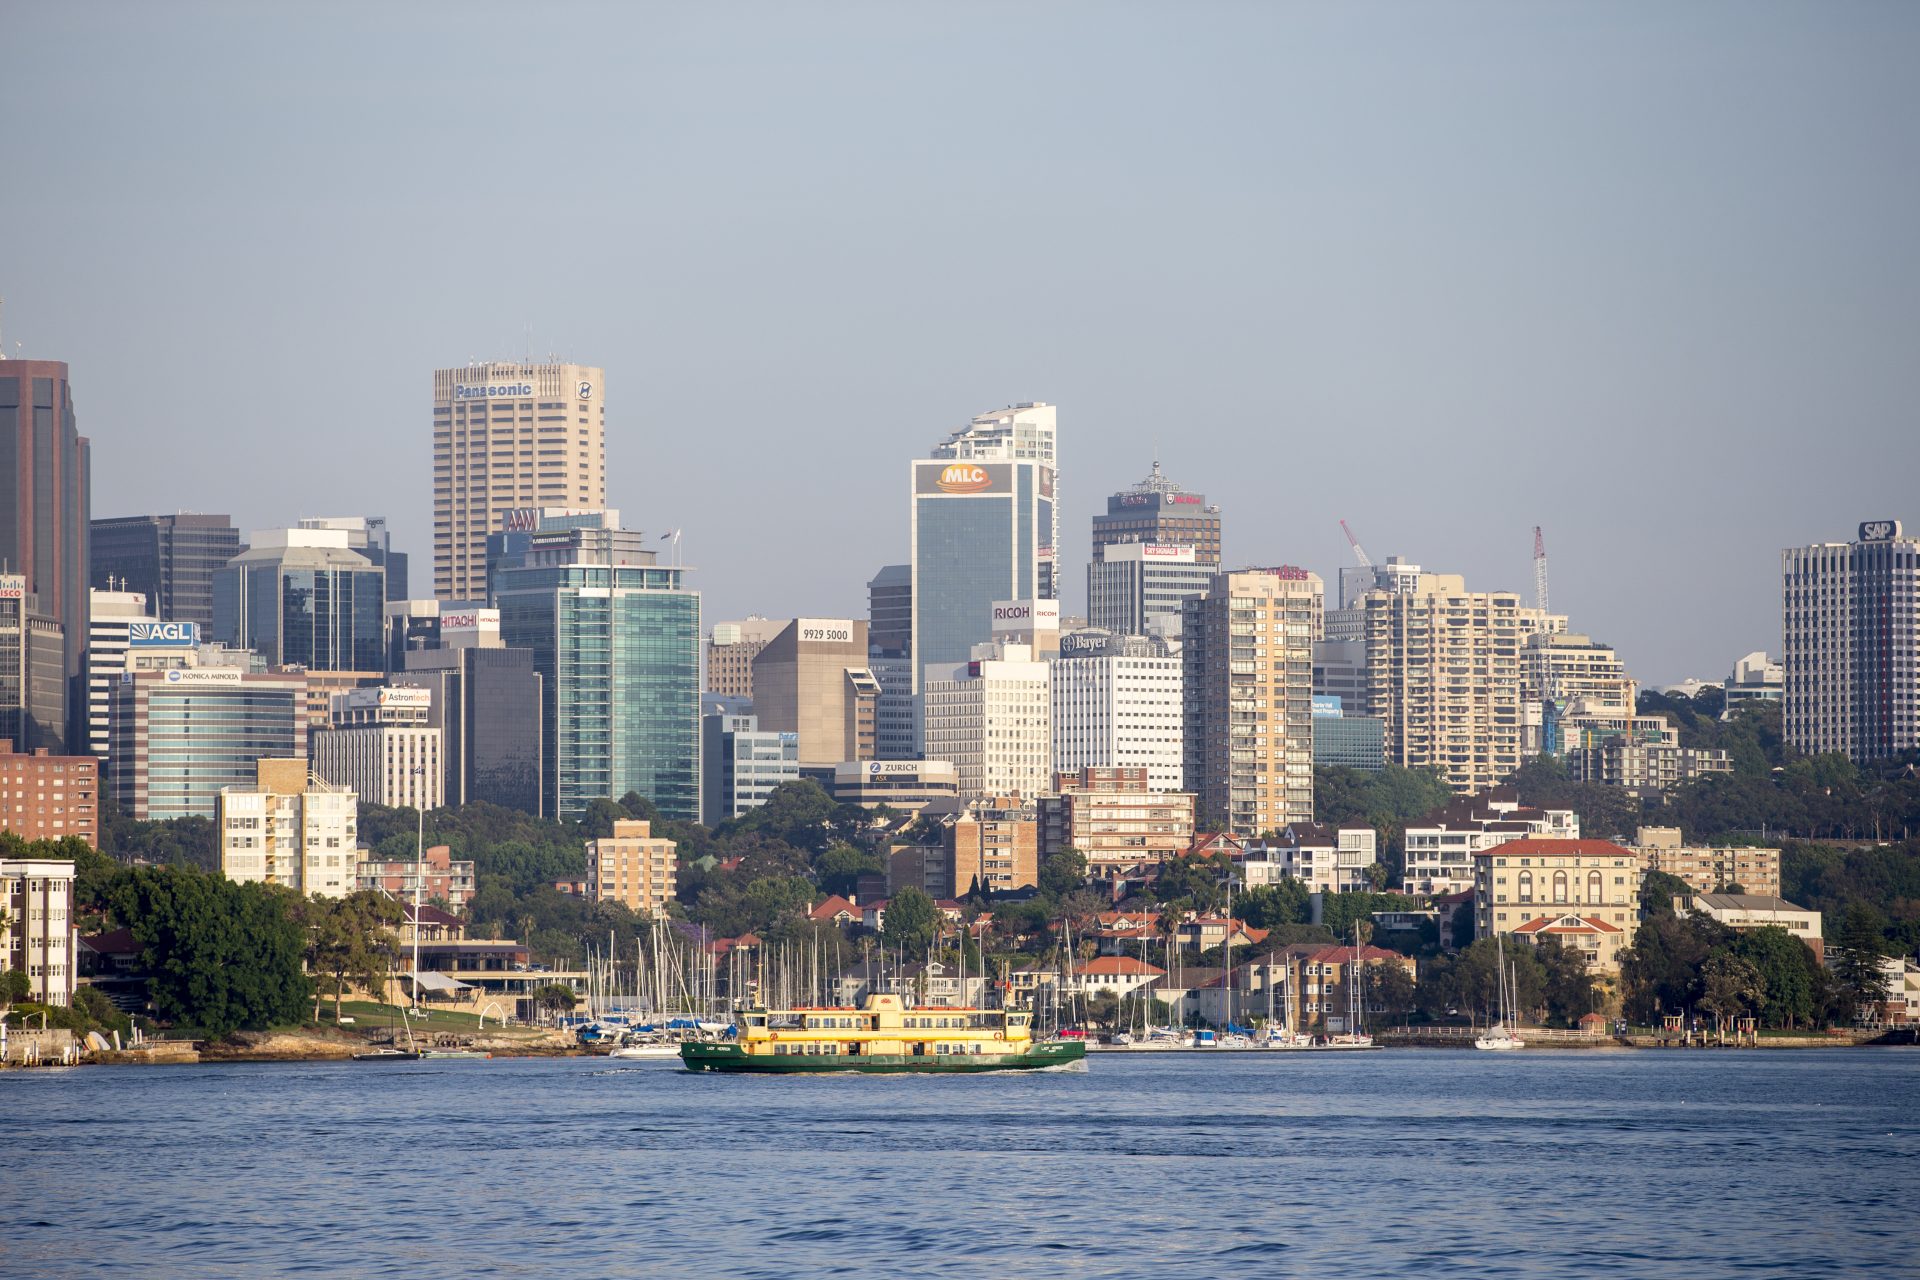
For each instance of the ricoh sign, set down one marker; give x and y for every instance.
(159, 635)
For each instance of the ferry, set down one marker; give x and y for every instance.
(881, 1036)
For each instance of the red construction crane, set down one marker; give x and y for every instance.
(1359, 553)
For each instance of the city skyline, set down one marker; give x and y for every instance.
(1634, 320)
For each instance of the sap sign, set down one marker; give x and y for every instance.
(495, 391)
(154, 635)
(1879, 530)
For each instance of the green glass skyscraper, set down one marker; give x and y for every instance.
(616, 639)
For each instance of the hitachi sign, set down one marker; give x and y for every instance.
(495, 391)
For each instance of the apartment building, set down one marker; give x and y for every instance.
(1116, 818)
(49, 797)
(1585, 894)
(632, 867)
(1709, 869)
(1119, 702)
(992, 718)
(1440, 847)
(37, 936)
(1850, 614)
(289, 829)
(1326, 859)
(993, 842)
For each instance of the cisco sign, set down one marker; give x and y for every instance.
(145, 635)
(13, 586)
(1879, 530)
(495, 391)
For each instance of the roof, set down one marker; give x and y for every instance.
(1744, 902)
(833, 906)
(1543, 845)
(431, 915)
(115, 942)
(1117, 966)
(1547, 926)
(1365, 954)
(436, 981)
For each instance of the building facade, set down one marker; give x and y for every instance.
(489, 707)
(1583, 893)
(302, 597)
(34, 694)
(382, 745)
(1440, 846)
(170, 560)
(1850, 615)
(1326, 859)
(615, 638)
(177, 737)
(370, 536)
(1119, 702)
(45, 519)
(49, 797)
(1116, 817)
(509, 436)
(1708, 869)
(741, 764)
(632, 867)
(731, 649)
(444, 880)
(994, 842)
(1157, 511)
(1443, 673)
(1138, 588)
(291, 830)
(1341, 741)
(906, 786)
(992, 717)
(37, 935)
(1247, 647)
(811, 679)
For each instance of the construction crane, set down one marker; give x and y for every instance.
(1359, 553)
(1539, 570)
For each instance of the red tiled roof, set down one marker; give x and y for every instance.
(1345, 955)
(833, 906)
(1543, 845)
(115, 942)
(1567, 924)
(1116, 966)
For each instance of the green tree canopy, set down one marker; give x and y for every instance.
(910, 921)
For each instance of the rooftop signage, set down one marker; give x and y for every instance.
(1879, 530)
(144, 635)
(494, 391)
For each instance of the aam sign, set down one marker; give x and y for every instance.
(151, 635)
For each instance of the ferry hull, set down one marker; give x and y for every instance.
(734, 1058)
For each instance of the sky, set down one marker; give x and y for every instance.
(1641, 274)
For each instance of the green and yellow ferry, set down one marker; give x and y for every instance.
(881, 1036)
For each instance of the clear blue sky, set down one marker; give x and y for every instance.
(1644, 274)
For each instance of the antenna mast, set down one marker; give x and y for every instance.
(1539, 570)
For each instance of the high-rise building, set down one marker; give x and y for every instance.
(992, 717)
(1348, 622)
(1159, 512)
(1137, 588)
(508, 435)
(731, 649)
(290, 829)
(414, 625)
(980, 535)
(890, 611)
(33, 685)
(1443, 672)
(1850, 615)
(381, 745)
(302, 597)
(370, 536)
(890, 659)
(487, 704)
(37, 934)
(169, 559)
(812, 679)
(991, 843)
(741, 764)
(1341, 741)
(45, 488)
(1118, 704)
(632, 867)
(49, 797)
(119, 621)
(176, 737)
(1563, 667)
(616, 640)
(1019, 433)
(1248, 651)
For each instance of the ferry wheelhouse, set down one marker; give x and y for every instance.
(882, 1035)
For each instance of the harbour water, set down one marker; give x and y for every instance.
(1397, 1163)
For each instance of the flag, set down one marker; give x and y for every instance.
(671, 535)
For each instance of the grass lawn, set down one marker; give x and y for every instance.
(368, 1016)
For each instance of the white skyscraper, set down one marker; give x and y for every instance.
(1117, 704)
(1850, 617)
(992, 718)
(1019, 433)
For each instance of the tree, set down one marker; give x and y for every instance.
(1568, 988)
(910, 921)
(1658, 889)
(840, 867)
(1854, 954)
(1730, 987)
(1788, 978)
(1062, 873)
(1268, 906)
(15, 986)
(350, 940)
(556, 997)
(222, 956)
(1388, 989)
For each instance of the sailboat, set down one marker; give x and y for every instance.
(1502, 1035)
(1353, 1037)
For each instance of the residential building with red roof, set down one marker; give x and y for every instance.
(1583, 893)
(1440, 847)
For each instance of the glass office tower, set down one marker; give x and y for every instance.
(302, 597)
(616, 641)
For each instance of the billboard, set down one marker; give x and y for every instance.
(824, 630)
(173, 635)
(1166, 552)
(404, 697)
(1024, 617)
(203, 675)
(1085, 644)
(1328, 705)
(962, 479)
(1879, 530)
(13, 586)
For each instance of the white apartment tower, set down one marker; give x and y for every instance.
(291, 831)
(1850, 620)
(1118, 703)
(992, 717)
(508, 436)
(381, 745)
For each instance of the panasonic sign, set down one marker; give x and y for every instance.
(494, 391)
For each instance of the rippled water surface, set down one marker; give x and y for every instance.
(1385, 1164)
